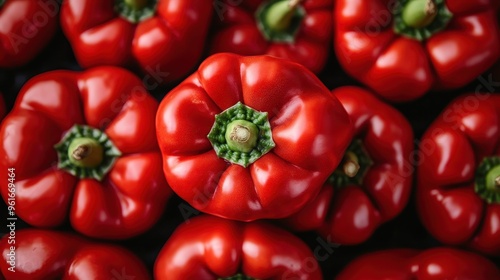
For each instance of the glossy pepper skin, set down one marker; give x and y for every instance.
(207, 247)
(400, 68)
(131, 195)
(302, 116)
(166, 45)
(238, 32)
(452, 150)
(430, 264)
(26, 26)
(45, 254)
(350, 213)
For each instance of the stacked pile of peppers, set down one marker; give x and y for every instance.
(250, 139)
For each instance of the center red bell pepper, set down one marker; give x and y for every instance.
(42, 254)
(298, 30)
(402, 48)
(458, 192)
(211, 248)
(26, 27)
(431, 264)
(83, 146)
(275, 133)
(373, 183)
(164, 37)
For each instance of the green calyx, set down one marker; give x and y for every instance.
(136, 11)
(280, 20)
(86, 152)
(353, 166)
(241, 135)
(487, 184)
(238, 277)
(420, 19)
(2, 2)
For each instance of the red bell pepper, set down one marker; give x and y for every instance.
(208, 247)
(274, 135)
(373, 183)
(431, 264)
(26, 26)
(402, 48)
(458, 192)
(83, 146)
(33, 254)
(297, 30)
(165, 38)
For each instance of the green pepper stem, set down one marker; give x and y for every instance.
(85, 152)
(487, 182)
(350, 168)
(353, 167)
(279, 16)
(351, 164)
(493, 178)
(419, 13)
(81, 152)
(241, 135)
(136, 4)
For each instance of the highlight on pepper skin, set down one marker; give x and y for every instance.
(43, 254)
(330, 138)
(84, 150)
(207, 247)
(303, 132)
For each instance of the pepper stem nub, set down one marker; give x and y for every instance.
(487, 182)
(80, 152)
(280, 20)
(85, 152)
(279, 15)
(241, 135)
(136, 4)
(421, 19)
(351, 168)
(419, 13)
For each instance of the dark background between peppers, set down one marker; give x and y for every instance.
(405, 231)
